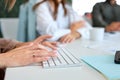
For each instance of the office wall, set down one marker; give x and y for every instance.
(9, 27)
(82, 6)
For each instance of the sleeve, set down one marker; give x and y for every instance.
(98, 20)
(84, 32)
(6, 45)
(47, 25)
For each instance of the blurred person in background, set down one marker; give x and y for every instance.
(56, 18)
(107, 14)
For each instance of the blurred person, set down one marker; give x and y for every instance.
(107, 14)
(56, 18)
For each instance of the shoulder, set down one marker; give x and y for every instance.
(43, 5)
(99, 4)
(69, 8)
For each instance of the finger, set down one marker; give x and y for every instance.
(42, 47)
(37, 47)
(43, 53)
(52, 46)
(54, 43)
(66, 39)
(69, 40)
(61, 39)
(40, 59)
(24, 47)
(42, 38)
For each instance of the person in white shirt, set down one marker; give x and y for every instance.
(56, 18)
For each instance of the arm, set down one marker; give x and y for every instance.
(79, 24)
(27, 52)
(47, 25)
(97, 16)
(6, 45)
(24, 55)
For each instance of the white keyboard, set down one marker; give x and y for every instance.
(64, 59)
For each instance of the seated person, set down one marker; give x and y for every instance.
(56, 18)
(107, 14)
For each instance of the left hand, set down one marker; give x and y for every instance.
(25, 55)
(114, 26)
(77, 25)
(41, 42)
(69, 37)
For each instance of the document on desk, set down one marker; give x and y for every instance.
(105, 65)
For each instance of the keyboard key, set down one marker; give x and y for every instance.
(64, 59)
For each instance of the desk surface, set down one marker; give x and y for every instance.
(80, 48)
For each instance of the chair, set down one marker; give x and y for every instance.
(27, 22)
(9, 27)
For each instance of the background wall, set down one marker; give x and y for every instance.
(82, 6)
(15, 11)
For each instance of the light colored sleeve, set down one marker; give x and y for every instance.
(47, 25)
(85, 30)
(74, 17)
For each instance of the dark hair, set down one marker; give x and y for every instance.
(108, 1)
(56, 7)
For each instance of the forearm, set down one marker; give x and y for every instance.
(76, 25)
(6, 45)
(2, 61)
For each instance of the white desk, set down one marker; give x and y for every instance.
(80, 47)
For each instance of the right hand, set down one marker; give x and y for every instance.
(114, 26)
(68, 38)
(25, 55)
(75, 26)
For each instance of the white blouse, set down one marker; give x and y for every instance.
(61, 26)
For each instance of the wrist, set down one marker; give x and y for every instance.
(18, 44)
(76, 34)
(2, 61)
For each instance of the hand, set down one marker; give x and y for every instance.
(114, 26)
(75, 26)
(25, 55)
(52, 45)
(40, 40)
(69, 37)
